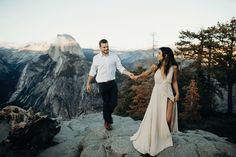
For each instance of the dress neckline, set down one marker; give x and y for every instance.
(162, 75)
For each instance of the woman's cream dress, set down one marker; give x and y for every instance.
(153, 134)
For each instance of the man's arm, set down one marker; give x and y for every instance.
(91, 75)
(88, 85)
(122, 69)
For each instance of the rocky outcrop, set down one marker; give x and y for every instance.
(85, 136)
(25, 133)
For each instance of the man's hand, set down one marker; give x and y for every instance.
(88, 87)
(131, 75)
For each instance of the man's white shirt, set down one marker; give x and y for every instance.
(105, 67)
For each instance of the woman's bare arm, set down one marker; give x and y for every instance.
(146, 73)
(175, 83)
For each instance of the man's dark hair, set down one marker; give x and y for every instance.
(104, 41)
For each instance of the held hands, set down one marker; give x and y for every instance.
(135, 78)
(132, 76)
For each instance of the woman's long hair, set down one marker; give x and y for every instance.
(168, 59)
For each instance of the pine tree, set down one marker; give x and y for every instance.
(125, 98)
(191, 105)
(142, 93)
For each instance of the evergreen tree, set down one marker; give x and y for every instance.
(191, 105)
(141, 99)
(142, 92)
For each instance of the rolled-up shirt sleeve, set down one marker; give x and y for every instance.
(93, 69)
(119, 66)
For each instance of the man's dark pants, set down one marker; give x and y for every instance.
(109, 92)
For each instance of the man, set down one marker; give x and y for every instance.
(105, 65)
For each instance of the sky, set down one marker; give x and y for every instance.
(126, 24)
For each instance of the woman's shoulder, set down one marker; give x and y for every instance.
(175, 68)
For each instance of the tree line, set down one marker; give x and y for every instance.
(214, 51)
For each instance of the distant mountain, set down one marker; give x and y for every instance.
(54, 81)
(12, 64)
(35, 47)
(66, 44)
(89, 53)
(8, 45)
(133, 59)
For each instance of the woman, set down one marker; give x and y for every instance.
(160, 119)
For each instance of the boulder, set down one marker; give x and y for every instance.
(25, 133)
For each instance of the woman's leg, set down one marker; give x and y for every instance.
(169, 111)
